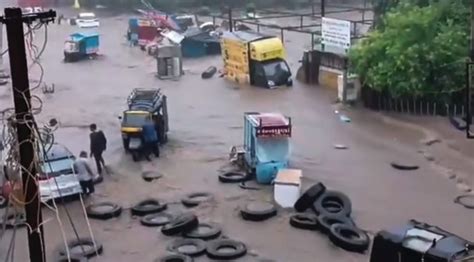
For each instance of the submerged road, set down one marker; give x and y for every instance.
(206, 119)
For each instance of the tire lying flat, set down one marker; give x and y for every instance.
(88, 252)
(148, 206)
(258, 211)
(198, 244)
(149, 176)
(204, 231)
(326, 221)
(404, 167)
(349, 238)
(304, 221)
(194, 199)
(309, 196)
(233, 177)
(175, 258)
(156, 220)
(94, 210)
(180, 224)
(333, 203)
(214, 249)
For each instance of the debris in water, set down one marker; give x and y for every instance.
(340, 146)
(431, 141)
(428, 156)
(344, 118)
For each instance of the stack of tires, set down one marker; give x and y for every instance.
(331, 215)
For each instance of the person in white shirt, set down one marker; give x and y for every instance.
(84, 174)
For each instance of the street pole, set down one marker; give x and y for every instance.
(323, 8)
(231, 22)
(1, 47)
(14, 20)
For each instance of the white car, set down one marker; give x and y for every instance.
(87, 20)
(56, 175)
(31, 10)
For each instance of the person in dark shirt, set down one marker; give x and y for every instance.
(98, 146)
(150, 140)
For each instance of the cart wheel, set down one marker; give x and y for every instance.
(135, 156)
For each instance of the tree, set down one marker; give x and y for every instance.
(419, 50)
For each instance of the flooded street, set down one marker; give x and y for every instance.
(206, 119)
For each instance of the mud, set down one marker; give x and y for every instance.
(206, 119)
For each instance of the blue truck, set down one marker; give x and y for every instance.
(266, 145)
(81, 45)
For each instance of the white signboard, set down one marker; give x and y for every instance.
(335, 32)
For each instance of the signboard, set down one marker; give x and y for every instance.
(274, 131)
(335, 32)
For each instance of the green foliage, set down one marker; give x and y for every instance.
(419, 51)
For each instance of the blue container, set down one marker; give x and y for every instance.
(267, 172)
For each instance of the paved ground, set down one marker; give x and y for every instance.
(205, 120)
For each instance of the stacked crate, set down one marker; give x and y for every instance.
(236, 60)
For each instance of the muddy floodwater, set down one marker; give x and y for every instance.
(206, 119)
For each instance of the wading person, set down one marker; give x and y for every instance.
(150, 140)
(98, 146)
(84, 174)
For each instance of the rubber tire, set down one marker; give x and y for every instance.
(304, 221)
(190, 201)
(73, 259)
(359, 244)
(149, 222)
(182, 223)
(233, 177)
(149, 176)
(175, 258)
(244, 185)
(114, 212)
(83, 241)
(210, 72)
(341, 198)
(214, 246)
(326, 221)
(258, 215)
(404, 167)
(3, 202)
(198, 243)
(213, 233)
(140, 210)
(459, 200)
(309, 196)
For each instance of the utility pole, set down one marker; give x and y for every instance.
(231, 22)
(14, 20)
(323, 8)
(1, 47)
(469, 77)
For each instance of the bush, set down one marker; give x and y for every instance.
(419, 50)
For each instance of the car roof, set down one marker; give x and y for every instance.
(86, 14)
(57, 151)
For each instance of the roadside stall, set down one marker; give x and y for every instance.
(266, 145)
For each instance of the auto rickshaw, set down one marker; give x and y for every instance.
(143, 104)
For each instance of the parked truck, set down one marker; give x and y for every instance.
(81, 45)
(256, 59)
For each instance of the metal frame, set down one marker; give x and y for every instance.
(313, 29)
(468, 98)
